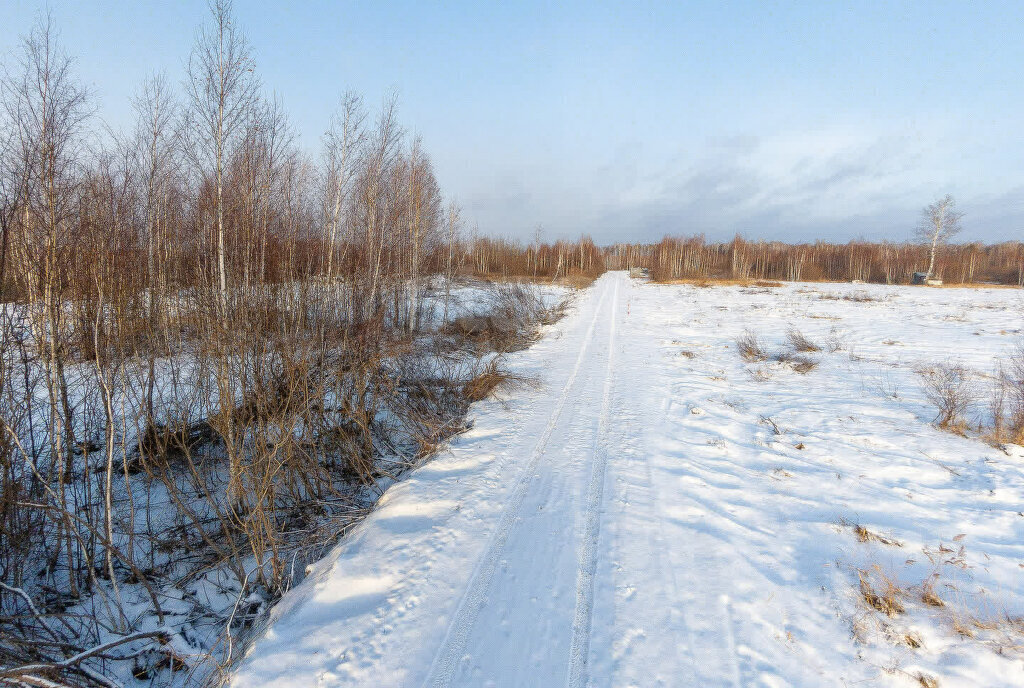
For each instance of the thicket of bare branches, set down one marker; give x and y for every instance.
(955, 392)
(211, 345)
(576, 263)
(1007, 402)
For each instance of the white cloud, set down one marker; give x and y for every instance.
(836, 182)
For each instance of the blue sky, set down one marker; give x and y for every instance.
(788, 120)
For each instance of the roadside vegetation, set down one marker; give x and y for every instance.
(217, 350)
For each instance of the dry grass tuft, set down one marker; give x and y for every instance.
(928, 595)
(864, 535)
(750, 347)
(751, 350)
(970, 615)
(880, 592)
(912, 640)
(804, 366)
(489, 380)
(576, 280)
(856, 297)
(801, 343)
(706, 282)
(963, 627)
(927, 681)
(800, 364)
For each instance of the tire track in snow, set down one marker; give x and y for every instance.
(581, 624)
(448, 654)
(666, 598)
(691, 641)
(707, 612)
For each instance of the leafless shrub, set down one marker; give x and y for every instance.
(887, 386)
(521, 303)
(749, 346)
(482, 330)
(1007, 401)
(949, 388)
(435, 398)
(510, 322)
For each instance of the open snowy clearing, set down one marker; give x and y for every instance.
(659, 512)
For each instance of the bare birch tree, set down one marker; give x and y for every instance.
(46, 110)
(375, 199)
(453, 223)
(154, 161)
(939, 222)
(424, 217)
(222, 90)
(341, 145)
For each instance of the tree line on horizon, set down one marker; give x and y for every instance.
(681, 258)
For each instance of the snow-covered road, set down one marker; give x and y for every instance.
(658, 512)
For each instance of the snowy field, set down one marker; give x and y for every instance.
(658, 511)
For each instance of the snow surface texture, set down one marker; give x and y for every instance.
(660, 512)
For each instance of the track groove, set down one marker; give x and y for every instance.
(582, 618)
(446, 659)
